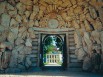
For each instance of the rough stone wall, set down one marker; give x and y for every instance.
(18, 17)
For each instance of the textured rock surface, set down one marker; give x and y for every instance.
(2, 7)
(12, 70)
(5, 19)
(19, 17)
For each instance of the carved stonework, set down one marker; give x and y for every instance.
(53, 23)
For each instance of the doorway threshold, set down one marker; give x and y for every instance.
(53, 64)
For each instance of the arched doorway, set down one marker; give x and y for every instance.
(53, 51)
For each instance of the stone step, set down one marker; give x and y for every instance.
(71, 52)
(34, 55)
(34, 51)
(34, 44)
(34, 60)
(73, 60)
(71, 40)
(72, 43)
(71, 37)
(72, 47)
(34, 40)
(74, 69)
(35, 48)
(72, 56)
(75, 65)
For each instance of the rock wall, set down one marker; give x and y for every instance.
(18, 17)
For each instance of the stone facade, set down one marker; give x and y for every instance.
(19, 17)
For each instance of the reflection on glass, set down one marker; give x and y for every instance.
(52, 51)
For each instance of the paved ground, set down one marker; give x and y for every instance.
(53, 74)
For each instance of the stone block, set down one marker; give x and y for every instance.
(12, 70)
(19, 48)
(101, 39)
(88, 26)
(2, 7)
(89, 18)
(19, 41)
(95, 36)
(14, 29)
(10, 7)
(12, 13)
(21, 59)
(27, 13)
(40, 15)
(24, 19)
(18, 18)
(75, 24)
(82, 17)
(5, 19)
(78, 10)
(2, 46)
(80, 54)
(77, 40)
(87, 63)
(31, 33)
(13, 22)
(28, 42)
(35, 9)
(11, 37)
(35, 1)
(12, 2)
(21, 8)
(36, 23)
(4, 35)
(92, 12)
(98, 24)
(9, 45)
(31, 23)
(26, 2)
(73, 2)
(100, 10)
(32, 16)
(22, 28)
(6, 59)
(29, 8)
(21, 67)
(27, 50)
(29, 62)
(2, 28)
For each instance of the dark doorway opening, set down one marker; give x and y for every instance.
(53, 52)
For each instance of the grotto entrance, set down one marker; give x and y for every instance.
(53, 51)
